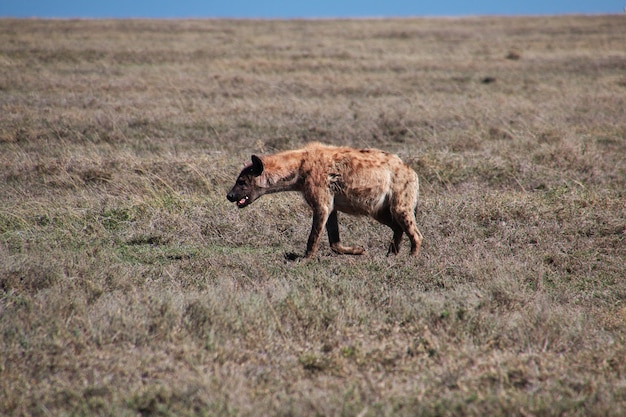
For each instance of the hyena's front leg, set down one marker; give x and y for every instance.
(320, 217)
(332, 228)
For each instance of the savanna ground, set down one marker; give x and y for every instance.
(130, 286)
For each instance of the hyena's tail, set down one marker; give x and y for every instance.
(417, 194)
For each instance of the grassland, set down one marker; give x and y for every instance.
(130, 286)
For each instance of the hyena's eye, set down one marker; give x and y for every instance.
(241, 182)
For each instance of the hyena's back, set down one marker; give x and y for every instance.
(365, 181)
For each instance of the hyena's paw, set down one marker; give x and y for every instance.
(393, 249)
(347, 250)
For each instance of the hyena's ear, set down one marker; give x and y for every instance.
(257, 166)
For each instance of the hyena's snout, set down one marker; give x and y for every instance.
(241, 198)
(231, 197)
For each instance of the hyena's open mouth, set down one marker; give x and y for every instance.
(239, 198)
(243, 202)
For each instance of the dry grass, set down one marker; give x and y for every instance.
(129, 285)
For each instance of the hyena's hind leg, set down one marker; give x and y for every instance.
(409, 225)
(387, 219)
(403, 210)
(405, 217)
(332, 228)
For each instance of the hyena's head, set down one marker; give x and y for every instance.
(247, 187)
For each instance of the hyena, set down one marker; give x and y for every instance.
(331, 179)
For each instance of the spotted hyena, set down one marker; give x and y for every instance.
(331, 179)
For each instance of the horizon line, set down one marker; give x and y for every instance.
(372, 17)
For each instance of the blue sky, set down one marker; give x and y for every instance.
(295, 8)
